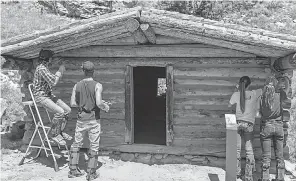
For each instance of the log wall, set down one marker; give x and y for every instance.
(202, 88)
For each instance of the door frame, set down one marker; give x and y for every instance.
(129, 104)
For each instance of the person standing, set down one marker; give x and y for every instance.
(272, 127)
(43, 82)
(87, 96)
(246, 104)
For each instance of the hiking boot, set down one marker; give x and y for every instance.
(75, 173)
(66, 136)
(92, 176)
(59, 140)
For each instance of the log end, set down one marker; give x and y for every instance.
(132, 25)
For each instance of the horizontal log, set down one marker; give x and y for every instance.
(198, 131)
(200, 113)
(211, 143)
(202, 107)
(223, 83)
(31, 36)
(159, 149)
(76, 41)
(74, 63)
(70, 32)
(257, 50)
(199, 121)
(223, 33)
(224, 72)
(106, 141)
(189, 50)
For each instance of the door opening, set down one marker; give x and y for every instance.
(149, 105)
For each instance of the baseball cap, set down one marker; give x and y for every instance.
(44, 54)
(88, 66)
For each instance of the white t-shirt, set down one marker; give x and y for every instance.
(252, 98)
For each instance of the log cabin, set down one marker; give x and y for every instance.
(137, 52)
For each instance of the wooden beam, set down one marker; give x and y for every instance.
(140, 36)
(185, 17)
(132, 24)
(200, 28)
(149, 33)
(285, 63)
(191, 50)
(169, 105)
(69, 33)
(257, 50)
(129, 105)
(33, 36)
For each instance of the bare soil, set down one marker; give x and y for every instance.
(42, 169)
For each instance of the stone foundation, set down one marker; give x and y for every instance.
(151, 159)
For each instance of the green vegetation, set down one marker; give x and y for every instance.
(27, 17)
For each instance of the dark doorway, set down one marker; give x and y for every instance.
(149, 105)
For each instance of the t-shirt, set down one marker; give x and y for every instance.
(251, 105)
(277, 110)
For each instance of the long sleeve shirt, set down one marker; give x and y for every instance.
(43, 81)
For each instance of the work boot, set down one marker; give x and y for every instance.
(92, 176)
(75, 173)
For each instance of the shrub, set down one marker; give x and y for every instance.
(11, 93)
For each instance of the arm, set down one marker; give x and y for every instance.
(50, 78)
(73, 97)
(99, 102)
(232, 99)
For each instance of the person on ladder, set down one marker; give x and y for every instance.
(87, 96)
(43, 82)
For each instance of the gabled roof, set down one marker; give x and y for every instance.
(118, 25)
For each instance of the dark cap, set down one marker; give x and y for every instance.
(44, 54)
(88, 66)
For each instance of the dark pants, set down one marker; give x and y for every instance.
(245, 132)
(272, 131)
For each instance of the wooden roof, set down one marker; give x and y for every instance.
(118, 25)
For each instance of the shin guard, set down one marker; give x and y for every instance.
(74, 158)
(92, 162)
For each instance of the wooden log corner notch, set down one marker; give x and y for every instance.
(142, 33)
(286, 63)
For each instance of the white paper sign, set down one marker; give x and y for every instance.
(230, 120)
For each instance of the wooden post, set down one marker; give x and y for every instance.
(169, 105)
(231, 139)
(129, 105)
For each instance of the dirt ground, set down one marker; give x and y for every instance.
(41, 169)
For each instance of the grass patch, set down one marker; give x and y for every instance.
(27, 17)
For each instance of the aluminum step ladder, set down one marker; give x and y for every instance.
(40, 128)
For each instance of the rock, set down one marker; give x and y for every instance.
(144, 158)
(165, 155)
(188, 156)
(173, 159)
(136, 155)
(127, 156)
(158, 156)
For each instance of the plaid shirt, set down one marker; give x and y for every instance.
(43, 81)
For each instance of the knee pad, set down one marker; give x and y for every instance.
(265, 166)
(280, 164)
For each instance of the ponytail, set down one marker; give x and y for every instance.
(242, 99)
(244, 82)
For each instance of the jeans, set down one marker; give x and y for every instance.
(245, 130)
(272, 131)
(61, 113)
